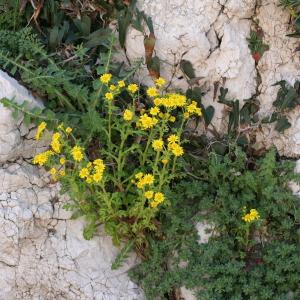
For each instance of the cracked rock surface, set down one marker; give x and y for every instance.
(212, 35)
(43, 254)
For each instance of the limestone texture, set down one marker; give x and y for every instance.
(212, 35)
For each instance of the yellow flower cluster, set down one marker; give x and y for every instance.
(193, 109)
(77, 153)
(40, 130)
(157, 198)
(55, 143)
(146, 122)
(144, 179)
(93, 172)
(251, 216)
(173, 145)
(171, 101)
(42, 158)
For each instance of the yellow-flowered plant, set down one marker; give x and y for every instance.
(251, 220)
(120, 179)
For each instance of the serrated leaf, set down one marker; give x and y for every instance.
(122, 256)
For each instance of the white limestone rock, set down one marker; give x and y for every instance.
(43, 254)
(280, 62)
(210, 34)
(11, 130)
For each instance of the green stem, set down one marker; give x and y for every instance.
(105, 71)
(147, 147)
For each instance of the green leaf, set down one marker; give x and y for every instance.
(208, 114)
(83, 25)
(53, 37)
(124, 20)
(187, 68)
(219, 147)
(122, 255)
(89, 230)
(282, 124)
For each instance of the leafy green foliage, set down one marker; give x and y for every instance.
(121, 257)
(225, 268)
(256, 44)
(287, 99)
(293, 7)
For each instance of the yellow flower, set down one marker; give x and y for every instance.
(154, 111)
(186, 115)
(105, 78)
(62, 172)
(128, 115)
(177, 150)
(132, 88)
(121, 83)
(146, 179)
(62, 161)
(172, 119)
(89, 179)
(40, 130)
(158, 144)
(173, 138)
(109, 96)
(173, 101)
(160, 82)
(193, 109)
(158, 101)
(139, 175)
(164, 161)
(149, 194)
(69, 130)
(100, 168)
(89, 164)
(251, 216)
(152, 92)
(42, 158)
(55, 143)
(97, 177)
(147, 122)
(158, 198)
(84, 173)
(97, 162)
(53, 171)
(77, 153)
(112, 87)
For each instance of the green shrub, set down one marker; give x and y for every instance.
(242, 260)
